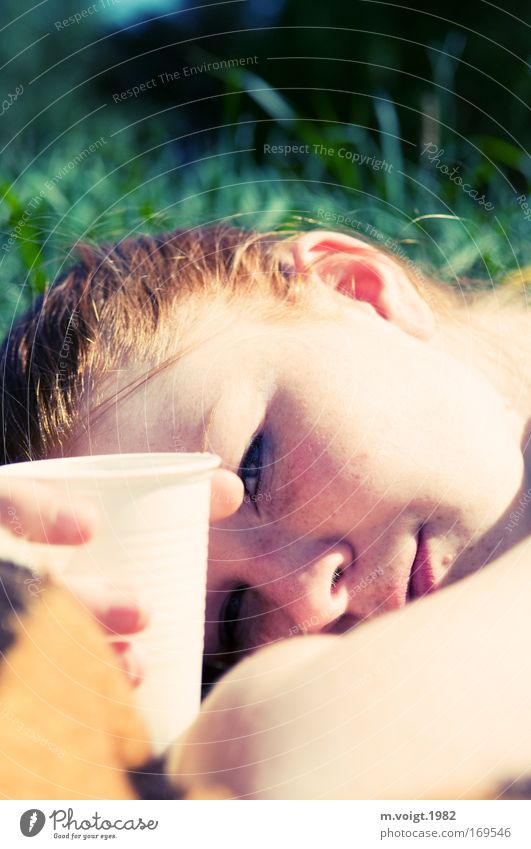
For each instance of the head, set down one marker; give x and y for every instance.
(376, 465)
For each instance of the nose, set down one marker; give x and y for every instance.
(311, 594)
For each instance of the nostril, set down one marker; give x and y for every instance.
(336, 577)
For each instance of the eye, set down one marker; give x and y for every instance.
(251, 467)
(230, 619)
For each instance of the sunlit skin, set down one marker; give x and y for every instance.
(431, 701)
(376, 427)
(369, 436)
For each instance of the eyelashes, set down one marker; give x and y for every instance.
(250, 470)
(230, 624)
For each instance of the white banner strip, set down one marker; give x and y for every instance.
(267, 825)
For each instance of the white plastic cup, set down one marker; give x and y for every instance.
(153, 536)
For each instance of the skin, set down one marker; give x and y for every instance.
(381, 427)
(431, 701)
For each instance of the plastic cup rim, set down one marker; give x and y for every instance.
(161, 464)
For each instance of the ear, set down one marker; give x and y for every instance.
(365, 273)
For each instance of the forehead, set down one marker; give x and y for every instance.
(219, 379)
(231, 361)
(222, 386)
(227, 382)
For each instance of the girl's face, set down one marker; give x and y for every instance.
(376, 466)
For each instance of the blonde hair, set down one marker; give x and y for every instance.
(117, 306)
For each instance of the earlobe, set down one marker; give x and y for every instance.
(365, 273)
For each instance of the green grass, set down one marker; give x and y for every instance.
(133, 186)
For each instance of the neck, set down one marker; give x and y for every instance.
(495, 339)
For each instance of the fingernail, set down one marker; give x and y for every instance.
(75, 526)
(124, 618)
(129, 661)
(120, 646)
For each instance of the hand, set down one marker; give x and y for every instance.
(116, 609)
(36, 515)
(226, 494)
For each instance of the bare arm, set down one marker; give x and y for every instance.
(432, 701)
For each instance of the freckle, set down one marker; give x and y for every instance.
(447, 559)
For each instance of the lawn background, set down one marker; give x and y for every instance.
(378, 80)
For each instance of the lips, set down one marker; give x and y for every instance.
(421, 578)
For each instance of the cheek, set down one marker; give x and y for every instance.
(343, 489)
(389, 428)
(345, 422)
(357, 455)
(324, 465)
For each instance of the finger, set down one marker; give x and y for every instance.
(115, 608)
(33, 511)
(131, 661)
(226, 494)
